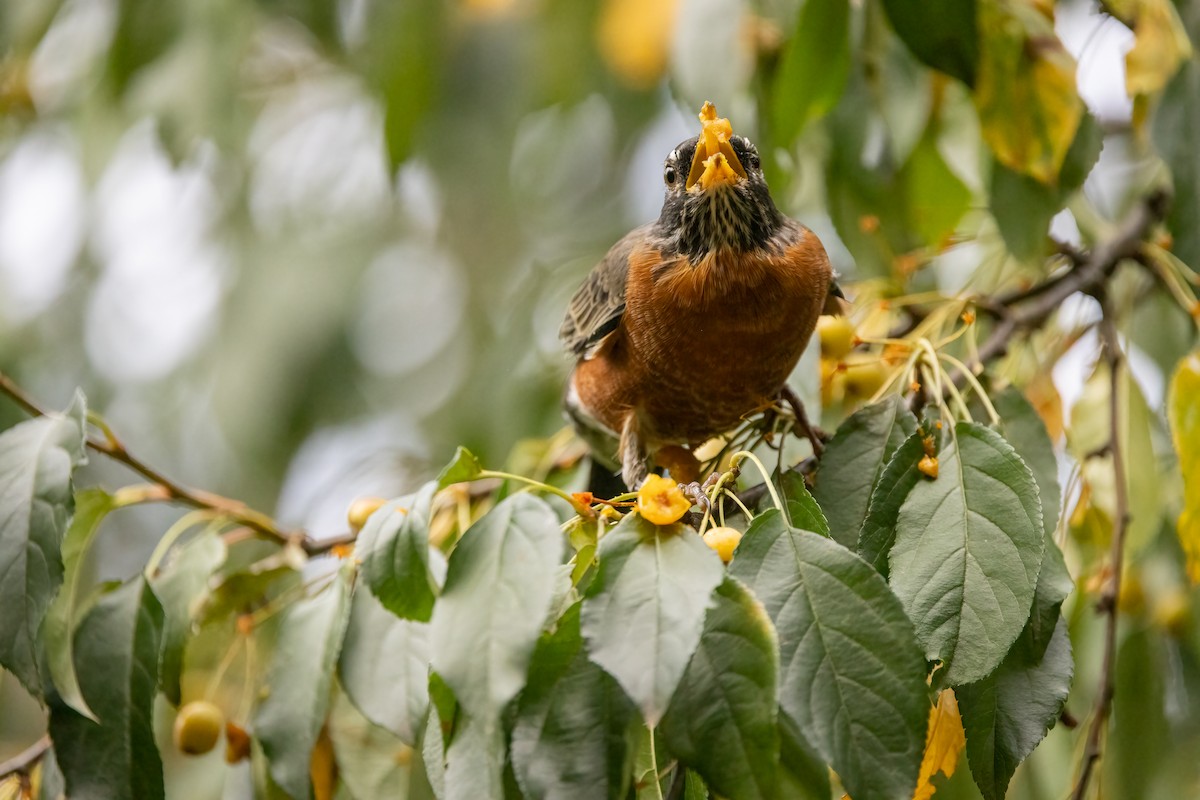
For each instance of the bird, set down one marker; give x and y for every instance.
(691, 323)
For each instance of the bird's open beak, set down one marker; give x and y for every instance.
(715, 163)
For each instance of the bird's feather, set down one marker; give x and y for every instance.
(597, 307)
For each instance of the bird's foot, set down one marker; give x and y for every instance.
(695, 492)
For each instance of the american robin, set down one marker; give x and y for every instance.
(693, 322)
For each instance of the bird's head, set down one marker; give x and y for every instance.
(717, 197)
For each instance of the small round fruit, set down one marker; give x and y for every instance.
(198, 727)
(864, 378)
(836, 335)
(362, 509)
(724, 541)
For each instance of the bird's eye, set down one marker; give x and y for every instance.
(669, 175)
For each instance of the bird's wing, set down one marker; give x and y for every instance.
(597, 307)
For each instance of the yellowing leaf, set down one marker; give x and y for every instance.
(943, 744)
(1028, 107)
(1183, 410)
(1089, 434)
(634, 37)
(1160, 44)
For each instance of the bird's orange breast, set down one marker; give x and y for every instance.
(703, 345)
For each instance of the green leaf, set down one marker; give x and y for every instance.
(968, 551)
(1053, 585)
(722, 719)
(571, 736)
(1176, 129)
(145, 30)
(116, 649)
(371, 761)
(463, 467)
(814, 67)
(1024, 430)
(179, 585)
(400, 60)
(384, 667)
(91, 507)
(851, 675)
(935, 196)
(803, 774)
(37, 458)
(801, 507)
(394, 549)
(1008, 713)
(644, 611)
(298, 681)
(941, 33)
(854, 460)
(901, 474)
(475, 760)
(433, 754)
(1023, 206)
(499, 586)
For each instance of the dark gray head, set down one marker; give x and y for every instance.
(716, 200)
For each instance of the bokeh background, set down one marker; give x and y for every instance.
(297, 250)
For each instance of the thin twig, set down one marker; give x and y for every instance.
(1027, 310)
(24, 761)
(235, 510)
(1107, 604)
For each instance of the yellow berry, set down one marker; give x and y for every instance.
(836, 335)
(724, 541)
(361, 510)
(198, 727)
(660, 501)
(864, 378)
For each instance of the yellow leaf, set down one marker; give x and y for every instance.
(943, 744)
(1183, 411)
(1160, 44)
(1028, 107)
(634, 37)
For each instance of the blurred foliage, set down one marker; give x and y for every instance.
(298, 250)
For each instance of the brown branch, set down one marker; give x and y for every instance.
(1027, 310)
(1107, 604)
(24, 761)
(173, 491)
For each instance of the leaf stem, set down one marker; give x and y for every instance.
(181, 526)
(170, 490)
(742, 455)
(654, 765)
(580, 508)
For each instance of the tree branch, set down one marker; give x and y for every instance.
(1026, 310)
(1108, 598)
(174, 491)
